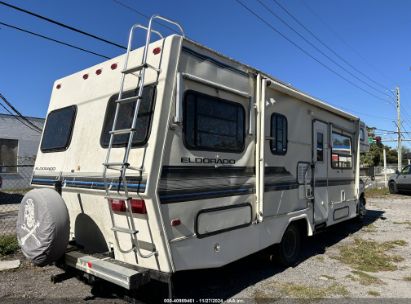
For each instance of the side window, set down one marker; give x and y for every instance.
(341, 154)
(362, 134)
(279, 129)
(125, 118)
(8, 155)
(214, 124)
(405, 170)
(58, 129)
(320, 146)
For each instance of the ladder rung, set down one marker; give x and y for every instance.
(122, 131)
(135, 168)
(128, 99)
(115, 169)
(139, 68)
(116, 164)
(124, 230)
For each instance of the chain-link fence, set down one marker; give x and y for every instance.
(14, 183)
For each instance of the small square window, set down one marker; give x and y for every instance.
(125, 118)
(320, 146)
(279, 134)
(58, 129)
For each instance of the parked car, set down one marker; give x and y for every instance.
(400, 181)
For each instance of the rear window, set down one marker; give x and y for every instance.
(125, 118)
(58, 129)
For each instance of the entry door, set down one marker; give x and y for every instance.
(320, 173)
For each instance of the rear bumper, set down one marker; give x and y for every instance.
(106, 268)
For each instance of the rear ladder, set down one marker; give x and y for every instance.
(113, 193)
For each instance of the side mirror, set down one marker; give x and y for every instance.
(397, 172)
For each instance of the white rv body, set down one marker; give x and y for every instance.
(205, 207)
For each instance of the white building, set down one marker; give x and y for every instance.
(18, 149)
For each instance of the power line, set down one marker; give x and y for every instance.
(365, 114)
(63, 25)
(318, 17)
(53, 40)
(18, 119)
(318, 49)
(144, 15)
(18, 113)
(305, 52)
(326, 46)
(1, 105)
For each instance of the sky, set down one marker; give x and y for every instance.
(368, 38)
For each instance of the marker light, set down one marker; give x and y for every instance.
(114, 66)
(175, 222)
(98, 72)
(138, 206)
(85, 76)
(58, 86)
(118, 205)
(157, 50)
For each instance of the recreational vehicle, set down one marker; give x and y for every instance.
(174, 157)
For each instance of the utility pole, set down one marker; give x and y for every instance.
(385, 166)
(397, 89)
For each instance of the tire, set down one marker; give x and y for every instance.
(288, 251)
(392, 187)
(43, 226)
(362, 211)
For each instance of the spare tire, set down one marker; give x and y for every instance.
(43, 226)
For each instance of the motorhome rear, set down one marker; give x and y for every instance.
(222, 161)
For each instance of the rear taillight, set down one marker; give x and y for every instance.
(118, 205)
(137, 206)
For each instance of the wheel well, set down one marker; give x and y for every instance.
(362, 196)
(302, 226)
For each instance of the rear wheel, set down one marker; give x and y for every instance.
(361, 208)
(392, 187)
(289, 249)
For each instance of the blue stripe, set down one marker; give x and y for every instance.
(86, 183)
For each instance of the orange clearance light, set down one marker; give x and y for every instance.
(85, 76)
(58, 86)
(157, 50)
(114, 66)
(98, 72)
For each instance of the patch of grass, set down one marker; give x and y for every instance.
(8, 244)
(376, 192)
(407, 223)
(262, 297)
(370, 256)
(407, 278)
(292, 290)
(373, 293)
(370, 228)
(328, 277)
(393, 244)
(365, 278)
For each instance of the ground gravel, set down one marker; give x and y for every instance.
(254, 279)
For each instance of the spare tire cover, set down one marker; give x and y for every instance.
(43, 226)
